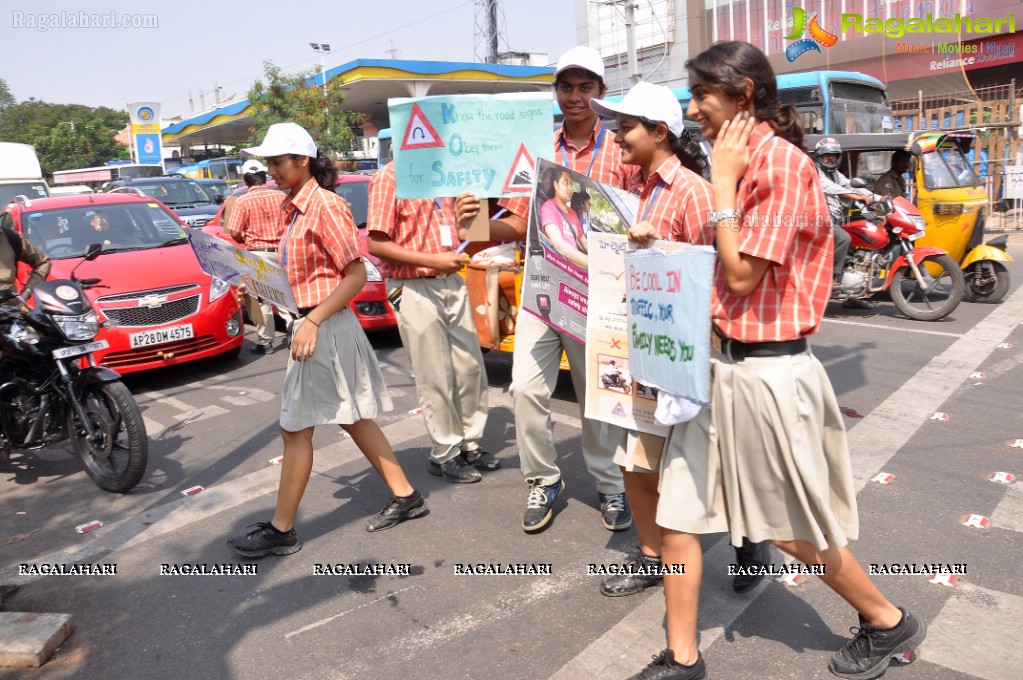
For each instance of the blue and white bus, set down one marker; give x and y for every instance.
(829, 102)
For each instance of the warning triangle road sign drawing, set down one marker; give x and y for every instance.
(419, 133)
(618, 410)
(520, 178)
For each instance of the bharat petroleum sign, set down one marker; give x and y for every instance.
(895, 27)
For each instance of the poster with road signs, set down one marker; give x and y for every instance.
(484, 144)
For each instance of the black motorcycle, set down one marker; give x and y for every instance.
(47, 395)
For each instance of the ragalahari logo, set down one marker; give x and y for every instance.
(818, 36)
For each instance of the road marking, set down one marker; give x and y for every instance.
(1009, 512)
(387, 366)
(628, 645)
(988, 654)
(874, 326)
(180, 512)
(322, 622)
(459, 625)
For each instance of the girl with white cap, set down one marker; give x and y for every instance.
(332, 375)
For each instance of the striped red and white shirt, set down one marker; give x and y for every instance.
(320, 240)
(257, 216)
(676, 201)
(421, 224)
(784, 220)
(599, 158)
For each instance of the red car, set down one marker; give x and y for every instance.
(371, 306)
(164, 309)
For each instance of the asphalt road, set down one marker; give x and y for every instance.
(214, 424)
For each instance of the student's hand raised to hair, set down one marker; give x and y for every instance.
(643, 232)
(730, 156)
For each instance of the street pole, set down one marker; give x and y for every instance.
(630, 41)
(323, 48)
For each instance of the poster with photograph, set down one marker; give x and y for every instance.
(567, 206)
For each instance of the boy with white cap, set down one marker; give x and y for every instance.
(583, 145)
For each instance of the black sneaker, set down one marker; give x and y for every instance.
(614, 511)
(664, 667)
(455, 470)
(398, 510)
(262, 539)
(540, 505)
(482, 460)
(750, 557)
(262, 349)
(868, 653)
(621, 585)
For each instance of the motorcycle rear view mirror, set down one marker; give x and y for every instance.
(92, 251)
(857, 183)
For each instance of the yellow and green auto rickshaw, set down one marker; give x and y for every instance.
(948, 193)
(953, 202)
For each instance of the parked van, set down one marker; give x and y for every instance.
(20, 173)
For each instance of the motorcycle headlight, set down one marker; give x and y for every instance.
(81, 327)
(217, 288)
(20, 332)
(372, 273)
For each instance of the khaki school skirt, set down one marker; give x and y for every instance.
(691, 492)
(781, 445)
(339, 384)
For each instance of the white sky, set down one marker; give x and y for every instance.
(199, 43)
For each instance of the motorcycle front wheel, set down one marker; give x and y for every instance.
(992, 290)
(116, 457)
(943, 292)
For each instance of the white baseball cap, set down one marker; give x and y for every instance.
(645, 100)
(253, 166)
(582, 57)
(284, 138)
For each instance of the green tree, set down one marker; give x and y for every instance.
(65, 135)
(300, 98)
(6, 98)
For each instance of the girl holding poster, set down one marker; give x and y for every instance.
(675, 204)
(333, 376)
(777, 435)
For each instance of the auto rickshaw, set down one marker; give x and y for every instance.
(947, 192)
(953, 202)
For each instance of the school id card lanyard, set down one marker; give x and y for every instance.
(593, 157)
(284, 243)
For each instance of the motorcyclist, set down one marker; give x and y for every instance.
(13, 249)
(614, 374)
(840, 195)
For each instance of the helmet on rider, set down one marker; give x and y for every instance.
(828, 154)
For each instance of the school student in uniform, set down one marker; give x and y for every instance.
(333, 376)
(257, 223)
(585, 146)
(417, 241)
(675, 205)
(778, 445)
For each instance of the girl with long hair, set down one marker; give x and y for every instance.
(777, 437)
(332, 375)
